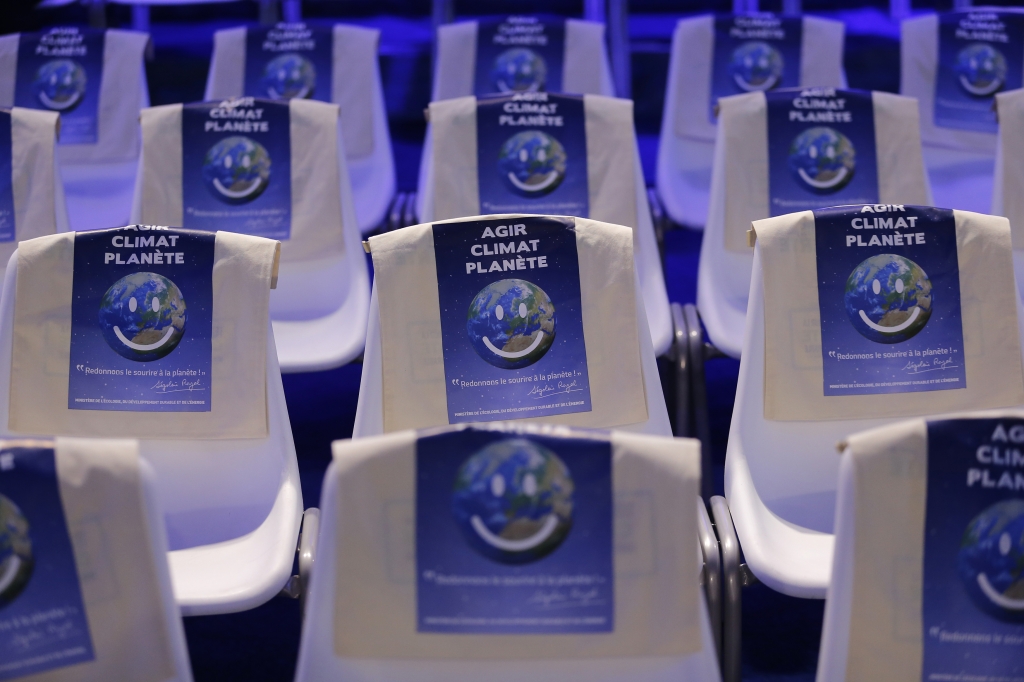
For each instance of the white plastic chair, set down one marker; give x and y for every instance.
(231, 508)
(687, 140)
(960, 163)
(372, 175)
(319, 308)
(1007, 190)
(648, 258)
(318, 660)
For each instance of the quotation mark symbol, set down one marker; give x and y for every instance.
(831, 353)
(80, 367)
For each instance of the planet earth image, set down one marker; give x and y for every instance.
(513, 501)
(59, 84)
(511, 323)
(16, 559)
(822, 159)
(289, 75)
(888, 298)
(519, 69)
(236, 170)
(143, 316)
(991, 560)
(981, 69)
(532, 163)
(756, 66)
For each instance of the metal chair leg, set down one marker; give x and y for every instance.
(297, 586)
(409, 215)
(681, 370)
(712, 574)
(700, 418)
(732, 588)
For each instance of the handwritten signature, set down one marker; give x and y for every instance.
(547, 389)
(557, 599)
(920, 366)
(177, 387)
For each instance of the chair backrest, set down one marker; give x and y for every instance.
(425, 367)
(392, 478)
(468, 52)
(928, 541)
(755, 174)
(338, 64)
(211, 491)
(464, 179)
(699, 73)
(84, 553)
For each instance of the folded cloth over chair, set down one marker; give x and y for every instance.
(584, 63)
(744, 139)
(610, 148)
(351, 52)
(100, 498)
(413, 353)
(315, 181)
(119, 92)
(656, 599)
(243, 271)
(1008, 192)
(33, 176)
(965, 297)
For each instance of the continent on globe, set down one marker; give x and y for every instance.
(289, 76)
(991, 560)
(532, 163)
(513, 501)
(60, 84)
(823, 159)
(756, 66)
(236, 169)
(981, 69)
(16, 558)
(519, 69)
(888, 298)
(511, 323)
(142, 316)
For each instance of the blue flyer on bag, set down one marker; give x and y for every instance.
(236, 161)
(980, 53)
(972, 609)
(6, 186)
(511, 318)
(43, 624)
(821, 149)
(889, 297)
(532, 154)
(514, 533)
(754, 52)
(142, 320)
(61, 70)
(519, 54)
(289, 60)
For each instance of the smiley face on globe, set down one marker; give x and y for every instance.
(532, 163)
(59, 84)
(142, 316)
(236, 170)
(519, 69)
(888, 298)
(511, 323)
(991, 560)
(16, 557)
(289, 76)
(822, 159)
(756, 66)
(981, 69)
(513, 501)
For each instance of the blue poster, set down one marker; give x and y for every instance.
(289, 60)
(973, 598)
(236, 162)
(821, 149)
(141, 320)
(513, 533)
(61, 70)
(519, 54)
(6, 186)
(532, 154)
(980, 53)
(889, 296)
(754, 52)
(511, 318)
(43, 624)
